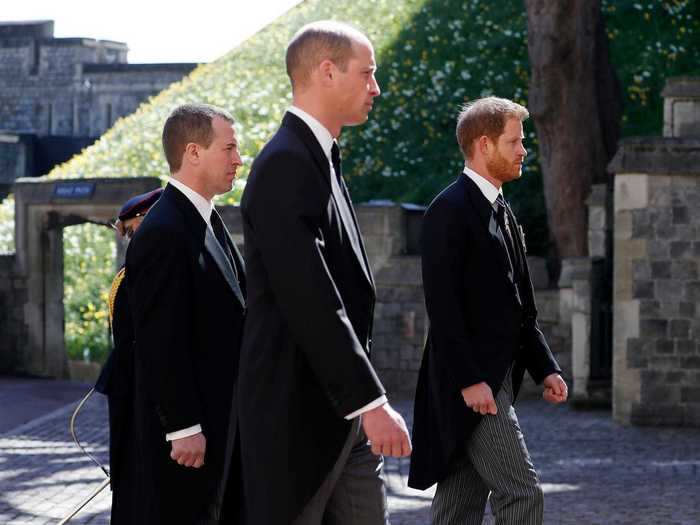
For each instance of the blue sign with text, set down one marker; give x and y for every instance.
(74, 190)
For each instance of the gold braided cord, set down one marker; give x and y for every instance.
(113, 292)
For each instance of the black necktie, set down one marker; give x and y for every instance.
(220, 233)
(343, 201)
(335, 158)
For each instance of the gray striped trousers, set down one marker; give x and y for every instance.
(496, 462)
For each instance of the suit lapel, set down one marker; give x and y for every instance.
(363, 253)
(348, 220)
(522, 255)
(238, 262)
(487, 216)
(300, 129)
(199, 228)
(217, 253)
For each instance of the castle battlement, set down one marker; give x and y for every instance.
(26, 29)
(71, 86)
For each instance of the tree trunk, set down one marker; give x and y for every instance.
(575, 102)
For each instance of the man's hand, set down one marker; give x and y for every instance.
(189, 451)
(386, 431)
(480, 399)
(555, 389)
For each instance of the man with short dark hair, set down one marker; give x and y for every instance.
(310, 398)
(483, 334)
(186, 287)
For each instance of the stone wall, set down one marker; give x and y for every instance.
(110, 91)
(13, 330)
(15, 160)
(657, 293)
(657, 268)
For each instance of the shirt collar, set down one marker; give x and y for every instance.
(203, 206)
(323, 136)
(489, 190)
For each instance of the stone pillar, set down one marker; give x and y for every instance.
(581, 329)
(571, 273)
(54, 358)
(656, 366)
(598, 221)
(682, 107)
(590, 305)
(13, 333)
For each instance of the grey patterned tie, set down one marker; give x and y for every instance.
(505, 229)
(220, 233)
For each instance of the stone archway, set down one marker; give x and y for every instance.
(42, 209)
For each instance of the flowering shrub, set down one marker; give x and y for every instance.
(89, 252)
(7, 225)
(433, 55)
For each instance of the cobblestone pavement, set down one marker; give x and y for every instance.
(24, 399)
(593, 471)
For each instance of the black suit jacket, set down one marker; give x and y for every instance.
(305, 354)
(482, 319)
(188, 311)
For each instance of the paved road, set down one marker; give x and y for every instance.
(24, 399)
(593, 470)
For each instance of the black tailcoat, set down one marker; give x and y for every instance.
(305, 354)
(483, 318)
(116, 381)
(188, 309)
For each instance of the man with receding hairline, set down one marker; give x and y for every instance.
(310, 398)
(186, 287)
(483, 334)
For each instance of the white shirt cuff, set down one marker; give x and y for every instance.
(185, 432)
(374, 404)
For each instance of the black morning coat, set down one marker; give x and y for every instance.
(305, 353)
(116, 381)
(188, 309)
(482, 319)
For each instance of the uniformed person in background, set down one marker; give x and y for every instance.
(116, 380)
